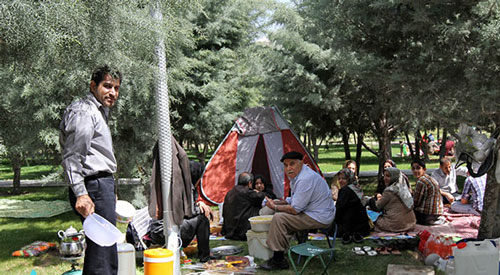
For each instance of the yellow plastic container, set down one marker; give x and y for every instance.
(158, 261)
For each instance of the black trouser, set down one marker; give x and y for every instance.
(199, 226)
(100, 260)
(425, 219)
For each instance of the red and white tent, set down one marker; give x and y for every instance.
(255, 144)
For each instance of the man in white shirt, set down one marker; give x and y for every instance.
(309, 207)
(446, 176)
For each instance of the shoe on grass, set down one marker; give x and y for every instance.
(357, 238)
(346, 239)
(272, 264)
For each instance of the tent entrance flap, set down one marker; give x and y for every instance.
(260, 164)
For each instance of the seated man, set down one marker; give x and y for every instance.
(427, 201)
(310, 207)
(446, 177)
(240, 203)
(472, 196)
(194, 216)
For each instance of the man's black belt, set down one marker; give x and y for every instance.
(98, 175)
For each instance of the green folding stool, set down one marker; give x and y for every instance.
(310, 251)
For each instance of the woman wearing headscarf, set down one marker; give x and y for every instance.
(351, 218)
(260, 185)
(349, 164)
(396, 203)
(381, 184)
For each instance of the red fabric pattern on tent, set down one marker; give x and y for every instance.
(221, 169)
(290, 143)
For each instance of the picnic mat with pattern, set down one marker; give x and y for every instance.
(32, 209)
(458, 225)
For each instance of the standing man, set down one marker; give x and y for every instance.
(310, 207)
(89, 162)
(446, 177)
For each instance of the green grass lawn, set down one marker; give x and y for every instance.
(15, 233)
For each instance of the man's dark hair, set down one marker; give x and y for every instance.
(420, 162)
(245, 178)
(99, 74)
(292, 155)
(196, 168)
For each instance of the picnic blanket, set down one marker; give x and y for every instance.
(32, 209)
(458, 225)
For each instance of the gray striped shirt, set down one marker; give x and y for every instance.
(86, 142)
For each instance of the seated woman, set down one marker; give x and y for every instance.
(260, 185)
(381, 184)
(351, 218)
(396, 203)
(349, 164)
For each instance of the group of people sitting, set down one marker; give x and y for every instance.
(312, 205)
(400, 206)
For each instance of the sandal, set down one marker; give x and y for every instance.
(371, 253)
(394, 250)
(358, 250)
(382, 250)
(369, 250)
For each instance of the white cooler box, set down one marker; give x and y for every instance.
(257, 246)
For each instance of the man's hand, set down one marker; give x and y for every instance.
(270, 203)
(206, 210)
(379, 196)
(84, 205)
(448, 196)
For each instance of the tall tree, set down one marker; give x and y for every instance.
(298, 76)
(211, 84)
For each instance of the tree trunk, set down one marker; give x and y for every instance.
(309, 143)
(201, 155)
(359, 150)
(345, 141)
(412, 153)
(15, 160)
(442, 146)
(315, 147)
(422, 145)
(384, 141)
(417, 143)
(490, 216)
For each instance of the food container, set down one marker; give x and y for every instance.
(260, 223)
(257, 246)
(126, 259)
(100, 230)
(476, 258)
(158, 261)
(125, 211)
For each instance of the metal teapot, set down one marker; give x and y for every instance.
(72, 242)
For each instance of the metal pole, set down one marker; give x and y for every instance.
(171, 231)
